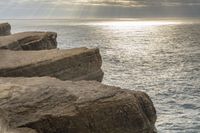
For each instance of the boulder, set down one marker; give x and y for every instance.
(29, 41)
(73, 64)
(5, 29)
(50, 105)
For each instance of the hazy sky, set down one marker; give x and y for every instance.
(98, 8)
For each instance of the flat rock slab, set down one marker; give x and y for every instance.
(72, 64)
(5, 29)
(29, 41)
(49, 105)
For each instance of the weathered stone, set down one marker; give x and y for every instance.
(49, 105)
(19, 130)
(5, 29)
(73, 64)
(22, 130)
(29, 41)
(4, 121)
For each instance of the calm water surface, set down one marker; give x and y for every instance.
(161, 58)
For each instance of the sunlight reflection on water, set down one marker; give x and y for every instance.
(135, 24)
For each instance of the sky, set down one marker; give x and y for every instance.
(47, 9)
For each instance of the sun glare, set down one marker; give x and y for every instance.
(137, 23)
(133, 24)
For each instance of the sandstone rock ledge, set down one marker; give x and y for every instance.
(29, 41)
(73, 64)
(50, 105)
(5, 29)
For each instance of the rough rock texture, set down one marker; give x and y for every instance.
(19, 130)
(22, 130)
(73, 64)
(49, 105)
(29, 41)
(4, 121)
(5, 29)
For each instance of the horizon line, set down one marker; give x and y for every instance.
(128, 18)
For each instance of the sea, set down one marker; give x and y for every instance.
(160, 57)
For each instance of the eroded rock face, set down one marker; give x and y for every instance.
(5, 29)
(29, 41)
(49, 105)
(73, 64)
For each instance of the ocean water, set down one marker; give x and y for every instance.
(161, 58)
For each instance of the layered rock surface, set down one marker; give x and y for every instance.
(4, 122)
(29, 41)
(5, 29)
(19, 130)
(50, 105)
(73, 64)
(22, 130)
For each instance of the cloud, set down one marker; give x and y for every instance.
(98, 8)
(109, 2)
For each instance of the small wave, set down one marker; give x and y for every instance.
(189, 106)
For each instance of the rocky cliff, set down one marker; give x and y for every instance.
(46, 103)
(49, 105)
(29, 41)
(73, 64)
